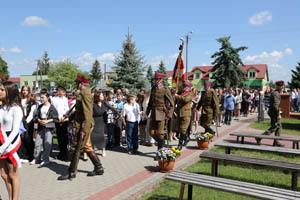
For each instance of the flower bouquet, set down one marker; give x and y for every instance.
(203, 140)
(166, 158)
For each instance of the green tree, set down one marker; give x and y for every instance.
(95, 73)
(149, 75)
(162, 69)
(63, 74)
(44, 65)
(129, 67)
(272, 84)
(226, 71)
(295, 82)
(4, 68)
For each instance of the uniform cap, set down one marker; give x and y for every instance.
(207, 84)
(83, 78)
(279, 83)
(159, 75)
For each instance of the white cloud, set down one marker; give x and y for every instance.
(288, 51)
(14, 50)
(168, 61)
(106, 57)
(85, 59)
(272, 59)
(24, 67)
(34, 21)
(260, 18)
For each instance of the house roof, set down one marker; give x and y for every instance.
(14, 79)
(260, 68)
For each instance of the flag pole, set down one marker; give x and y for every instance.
(178, 74)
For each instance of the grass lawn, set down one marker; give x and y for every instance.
(169, 190)
(289, 126)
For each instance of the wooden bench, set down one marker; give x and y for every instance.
(283, 150)
(228, 185)
(260, 137)
(294, 168)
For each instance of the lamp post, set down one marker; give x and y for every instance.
(186, 54)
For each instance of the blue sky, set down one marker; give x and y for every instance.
(87, 30)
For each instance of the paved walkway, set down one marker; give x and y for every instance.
(126, 176)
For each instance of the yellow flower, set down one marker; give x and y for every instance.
(173, 148)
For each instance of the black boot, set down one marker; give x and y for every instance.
(98, 169)
(181, 139)
(68, 176)
(160, 144)
(186, 140)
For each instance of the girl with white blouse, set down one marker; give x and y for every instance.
(11, 115)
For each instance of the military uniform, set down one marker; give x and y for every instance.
(161, 106)
(210, 106)
(184, 114)
(83, 122)
(274, 113)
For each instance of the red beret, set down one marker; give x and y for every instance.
(207, 84)
(279, 83)
(82, 79)
(159, 75)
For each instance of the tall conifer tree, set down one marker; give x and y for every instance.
(129, 67)
(295, 82)
(226, 71)
(95, 73)
(162, 69)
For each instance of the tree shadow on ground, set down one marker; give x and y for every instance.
(291, 126)
(161, 197)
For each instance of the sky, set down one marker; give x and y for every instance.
(85, 30)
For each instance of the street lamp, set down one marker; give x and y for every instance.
(186, 54)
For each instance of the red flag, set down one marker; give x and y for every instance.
(178, 73)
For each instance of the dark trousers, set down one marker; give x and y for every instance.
(117, 135)
(27, 146)
(228, 115)
(62, 138)
(110, 134)
(132, 136)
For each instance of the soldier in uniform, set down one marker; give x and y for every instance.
(274, 112)
(83, 124)
(210, 106)
(161, 105)
(183, 111)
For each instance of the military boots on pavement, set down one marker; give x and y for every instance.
(98, 168)
(181, 141)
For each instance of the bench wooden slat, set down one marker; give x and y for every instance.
(235, 182)
(238, 187)
(265, 136)
(260, 148)
(249, 160)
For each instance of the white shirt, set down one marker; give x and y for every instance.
(131, 112)
(10, 120)
(44, 111)
(32, 110)
(61, 105)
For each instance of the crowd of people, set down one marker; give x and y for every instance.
(84, 120)
(295, 100)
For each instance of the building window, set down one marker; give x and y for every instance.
(197, 75)
(251, 74)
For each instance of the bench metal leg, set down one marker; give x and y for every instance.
(258, 141)
(227, 150)
(181, 191)
(297, 145)
(237, 139)
(214, 168)
(190, 192)
(294, 145)
(294, 180)
(243, 141)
